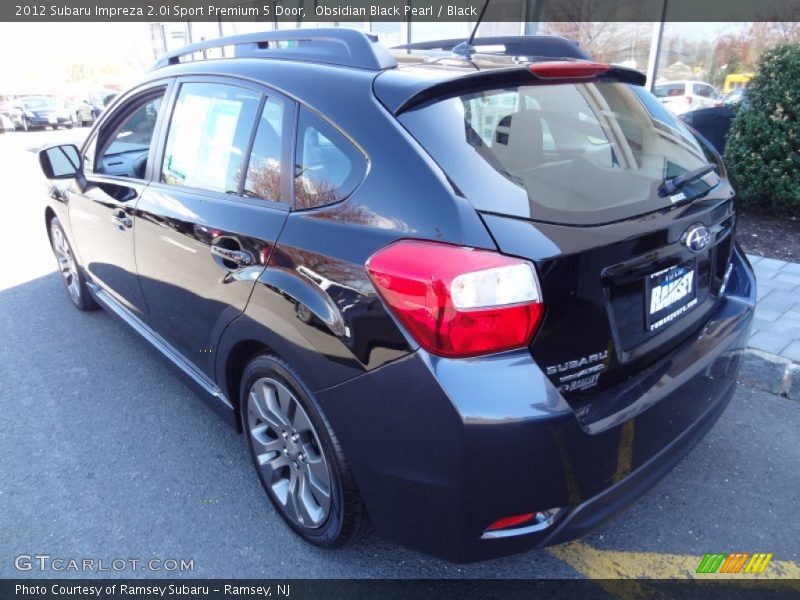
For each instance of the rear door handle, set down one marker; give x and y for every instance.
(239, 257)
(122, 220)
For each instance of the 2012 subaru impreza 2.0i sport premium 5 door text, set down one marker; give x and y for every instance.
(479, 303)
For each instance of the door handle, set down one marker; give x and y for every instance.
(122, 220)
(239, 257)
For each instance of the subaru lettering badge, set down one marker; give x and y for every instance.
(697, 238)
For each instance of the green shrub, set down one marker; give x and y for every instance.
(763, 148)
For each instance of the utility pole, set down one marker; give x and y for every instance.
(655, 47)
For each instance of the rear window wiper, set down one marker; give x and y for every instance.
(671, 186)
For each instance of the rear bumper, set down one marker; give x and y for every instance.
(442, 448)
(86, 115)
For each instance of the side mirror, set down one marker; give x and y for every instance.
(60, 162)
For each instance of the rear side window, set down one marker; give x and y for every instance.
(264, 169)
(208, 136)
(586, 153)
(328, 167)
(706, 91)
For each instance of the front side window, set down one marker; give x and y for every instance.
(126, 149)
(264, 169)
(327, 166)
(208, 137)
(88, 155)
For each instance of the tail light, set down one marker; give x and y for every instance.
(507, 522)
(568, 69)
(457, 301)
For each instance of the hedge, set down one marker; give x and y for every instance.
(763, 148)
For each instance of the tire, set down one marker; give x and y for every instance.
(286, 447)
(71, 273)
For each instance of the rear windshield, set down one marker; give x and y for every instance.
(38, 103)
(567, 153)
(670, 89)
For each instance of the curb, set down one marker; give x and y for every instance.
(771, 373)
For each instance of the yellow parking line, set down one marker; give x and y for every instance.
(625, 452)
(616, 564)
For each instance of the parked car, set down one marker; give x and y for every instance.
(736, 96)
(43, 111)
(683, 96)
(6, 122)
(464, 300)
(92, 105)
(14, 112)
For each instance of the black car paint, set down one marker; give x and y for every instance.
(712, 123)
(475, 440)
(440, 447)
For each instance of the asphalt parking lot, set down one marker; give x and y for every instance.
(106, 454)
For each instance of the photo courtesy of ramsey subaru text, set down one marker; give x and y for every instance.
(478, 303)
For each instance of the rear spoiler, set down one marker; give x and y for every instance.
(536, 46)
(400, 98)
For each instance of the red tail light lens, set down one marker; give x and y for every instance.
(568, 69)
(507, 522)
(458, 301)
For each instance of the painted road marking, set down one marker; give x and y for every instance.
(615, 564)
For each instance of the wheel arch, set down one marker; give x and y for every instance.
(236, 362)
(49, 215)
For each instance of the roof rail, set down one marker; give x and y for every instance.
(531, 46)
(335, 46)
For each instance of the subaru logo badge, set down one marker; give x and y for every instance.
(697, 238)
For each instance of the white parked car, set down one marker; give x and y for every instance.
(6, 123)
(683, 96)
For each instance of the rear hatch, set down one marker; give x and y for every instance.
(570, 174)
(674, 96)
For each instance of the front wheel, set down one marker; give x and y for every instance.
(297, 456)
(71, 275)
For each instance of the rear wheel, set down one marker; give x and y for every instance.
(297, 456)
(71, 274)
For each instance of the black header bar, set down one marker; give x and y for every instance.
(304, 11)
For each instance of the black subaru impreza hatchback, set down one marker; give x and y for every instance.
(480, 302)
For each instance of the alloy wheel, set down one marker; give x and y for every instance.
(66, 264)
(288, 453)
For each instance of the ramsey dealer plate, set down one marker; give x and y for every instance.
(669, 294)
